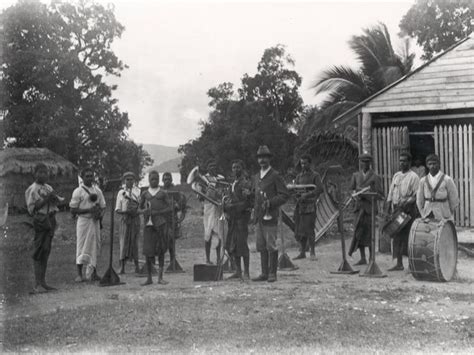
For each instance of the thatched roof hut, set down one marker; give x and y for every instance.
(17, 169)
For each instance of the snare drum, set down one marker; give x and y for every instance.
(397, 222)
(432, 250)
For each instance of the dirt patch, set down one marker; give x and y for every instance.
(306, 310)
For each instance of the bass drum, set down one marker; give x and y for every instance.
(432, 250)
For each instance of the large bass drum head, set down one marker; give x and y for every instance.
(448, 251)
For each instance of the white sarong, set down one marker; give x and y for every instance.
(88, 240)
(214, 228)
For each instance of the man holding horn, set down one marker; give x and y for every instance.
(128, 199)
(305, 209)
(88, 204)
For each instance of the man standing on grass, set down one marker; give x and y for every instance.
(402, 197)
(156, 206)
(365, 177)
(41, 202)
(305, 209)
(88, 204)
(179, 200)
(126, 206)
(238, 210)
(214, 228)
(270, 194)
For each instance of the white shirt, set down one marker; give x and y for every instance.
(122, 201)
(433, 180)
(264, 172)
(80, 199)
(153, 190)
(37, 192)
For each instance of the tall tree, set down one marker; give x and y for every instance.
(438, 24)
(261, 112)
(275, 85)
(54, 61)
(380, 66)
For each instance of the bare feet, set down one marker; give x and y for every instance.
(300, 256)
(235, 275)
(48, 288)
(147, 282)
(162, 282)
(78, 279)
(396, 268)
(37, 290)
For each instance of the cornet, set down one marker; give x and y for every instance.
(148, 207)
(267, 216)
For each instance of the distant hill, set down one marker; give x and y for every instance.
(161, 153)
(171, 165)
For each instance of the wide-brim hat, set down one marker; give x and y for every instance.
(263, 151)
(365, 157)
(129, 174)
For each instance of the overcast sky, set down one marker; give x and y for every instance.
(178, 50)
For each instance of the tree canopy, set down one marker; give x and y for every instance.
(438, 24)
(380, 66)
(53, 68)
(260, 112)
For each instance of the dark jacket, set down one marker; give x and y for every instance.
(307, 204)
(358, 182)
(275, 189)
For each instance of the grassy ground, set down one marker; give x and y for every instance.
(308, 310)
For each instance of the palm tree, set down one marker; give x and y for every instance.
(380, 66)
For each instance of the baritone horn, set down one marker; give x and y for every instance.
(299, 189)
(202, 185)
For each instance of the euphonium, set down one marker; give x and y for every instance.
(202, 185)
(299, 189)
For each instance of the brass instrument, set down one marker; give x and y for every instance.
(299, 189)
(148, 207)
(202, 186)
(267, 216)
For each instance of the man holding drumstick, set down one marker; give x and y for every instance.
(402, 197)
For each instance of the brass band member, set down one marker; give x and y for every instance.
(155, 205)
(437, 195)
(238, 211)
(402, 197)
(88, 204)
(41, 202)
(305, 210)
(363, 208)
(128, 199)
(270, 194)
(180, 207)
(213, 227)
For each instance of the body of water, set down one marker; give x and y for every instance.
(176, 179)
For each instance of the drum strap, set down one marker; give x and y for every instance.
(435, 190)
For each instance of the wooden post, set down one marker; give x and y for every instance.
(366, 133)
